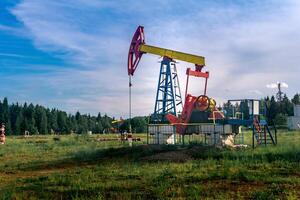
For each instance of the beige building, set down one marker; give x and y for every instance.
(293, 122)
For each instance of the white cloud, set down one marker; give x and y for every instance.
(272, 85)
(285, 85)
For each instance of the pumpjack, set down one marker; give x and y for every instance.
(199, 110)
(168, 96)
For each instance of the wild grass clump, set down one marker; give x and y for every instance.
(270, 193)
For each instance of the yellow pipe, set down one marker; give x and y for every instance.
(198, 60)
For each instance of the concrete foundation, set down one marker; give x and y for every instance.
(209, 134)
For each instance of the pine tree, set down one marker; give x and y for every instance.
(6, 116)
(287, 106)
(48, 114)
(98, 124)
(19, 124)
(74, 124)
(14, 110)
(139, 124)
(78, 122)
(106, 123)
(29, 118)
(52, 120)
(296, 99)
(62, 122)
(42, 120)
(1, 113)
(38, 119)
(92, 124)
(274, 108)
(71, 124)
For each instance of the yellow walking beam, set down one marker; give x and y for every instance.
(198, 60)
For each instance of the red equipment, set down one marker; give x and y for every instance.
(200, 103)
(134, 55)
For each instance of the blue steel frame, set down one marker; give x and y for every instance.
(255, 119)
(167, 99)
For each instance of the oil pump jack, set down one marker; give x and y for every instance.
(168, 96)
(199, 113)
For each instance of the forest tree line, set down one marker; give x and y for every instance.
(37, 119)
(274, 110)
(278, 111)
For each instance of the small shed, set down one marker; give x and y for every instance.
(293, 122)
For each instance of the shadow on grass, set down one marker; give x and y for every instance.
(126, 153)
(89, 157)
(137, 153)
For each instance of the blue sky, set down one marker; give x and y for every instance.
(72, 54)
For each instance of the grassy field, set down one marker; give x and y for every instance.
(82, 167)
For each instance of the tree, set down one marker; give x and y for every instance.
(139, 124)
(62, 121)
(19, 123)
(98, 127)
(72, 124)
(287, 106)
(273, 109)
(280, 119)
(41, 120)
(91, 123)
(29, 119)
(14, 112)
(38, 119)
(48, 114)
(52, 120)
(82, 122)
(296, 99)
(98, 124)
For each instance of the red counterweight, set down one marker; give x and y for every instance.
(201, 103)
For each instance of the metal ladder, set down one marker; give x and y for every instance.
(263, 135)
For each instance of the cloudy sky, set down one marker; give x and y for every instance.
(72, 54)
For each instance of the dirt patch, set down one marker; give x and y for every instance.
(181, 154)
(197, 149)
(171, 156)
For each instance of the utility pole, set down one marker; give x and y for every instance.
(129, 122)
(279, 93)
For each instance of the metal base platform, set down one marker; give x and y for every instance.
(204, 133)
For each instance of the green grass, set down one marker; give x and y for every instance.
(80, 167)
